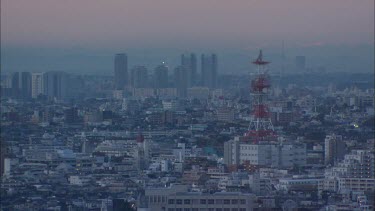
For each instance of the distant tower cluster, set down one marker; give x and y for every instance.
(260, 128)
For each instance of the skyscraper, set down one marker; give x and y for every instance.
(21, 85)
(181, 81)
(55, 84)
(37, 84)
(25, 85)
(161, 76)
(15, 84)
(209, 70)
(139, 77)
(190, 63)
(121, 70)
(334, 149)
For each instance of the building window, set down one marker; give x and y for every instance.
(203, 201)
(226, 209)
(186, 209)
(211, 201)
(195, 209)
(219, 209)
(186, 201)
(234, 201)
(219, 201)
(178, 209)
(234, 209)
(170, 209)
(226, 201)
(242, 209)
(170, 201)
(178, 201)
(242, 201)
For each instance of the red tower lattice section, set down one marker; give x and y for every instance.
(260, 128)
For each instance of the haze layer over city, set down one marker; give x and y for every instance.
(169, 105)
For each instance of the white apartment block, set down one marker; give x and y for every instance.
(284, 155)
(354, 173)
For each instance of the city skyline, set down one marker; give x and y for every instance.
(77, 37)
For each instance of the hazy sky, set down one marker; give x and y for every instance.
(118, 25)
(108, 23)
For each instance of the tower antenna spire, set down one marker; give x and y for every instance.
(260, 128)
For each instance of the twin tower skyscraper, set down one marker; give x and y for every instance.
(185, 75)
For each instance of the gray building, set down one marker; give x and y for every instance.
(181, 81)
(177, 198)
(334, 149)
(161, 76)
(55, 85)
(283, 155)
(209, 70)
(139, 77)
(190, 63)
(121, 70)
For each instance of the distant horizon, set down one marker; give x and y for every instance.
(231, 60)
(82, 36)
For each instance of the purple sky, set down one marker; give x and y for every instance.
(120, 24)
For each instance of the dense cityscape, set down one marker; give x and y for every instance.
(195, 105)
(188, 138)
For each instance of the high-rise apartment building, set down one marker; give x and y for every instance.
(334, 149)
(15, 81)
(25, 85)
(181, 81)
(37, 84)
(55, 85)
(161, 76)
(139, 77)
(190, 63)
(209, 70)
(121, 70)
(21, 85)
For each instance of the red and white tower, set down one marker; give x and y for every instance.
(260, 128)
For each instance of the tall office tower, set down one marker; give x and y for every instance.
(300, 62)
(139, 77)
(15, 80)
(334, 149)
(209, 70)
(37, 84)
(55, 85)
(121, 71)
(190, 63)
(181, 81)
(161, 76)
(25, 85)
